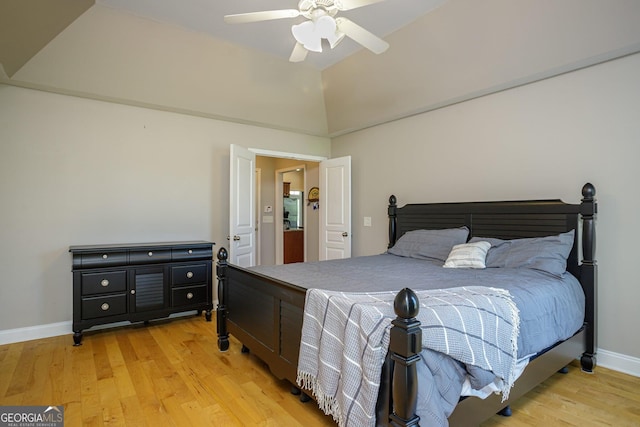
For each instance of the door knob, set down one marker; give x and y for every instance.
(345, 234)
(236, 238)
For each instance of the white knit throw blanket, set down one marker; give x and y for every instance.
(345, 338)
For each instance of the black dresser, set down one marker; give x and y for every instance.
(139, 282)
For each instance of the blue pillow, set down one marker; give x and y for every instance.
(429, 244)
(541, 253)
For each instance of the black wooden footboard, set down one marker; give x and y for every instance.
(266, 314)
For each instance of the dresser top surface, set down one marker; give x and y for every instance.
(127, 246)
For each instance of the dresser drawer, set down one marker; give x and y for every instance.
(188, 274)
(185, 254)
(103, 306)
(104, 282)
(189, 295)
(103, 259)
(149, 256)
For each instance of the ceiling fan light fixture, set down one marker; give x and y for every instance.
(310, 33)
(327, 28)
(306, 35)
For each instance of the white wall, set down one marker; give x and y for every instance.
(79, 171)
(543, 140)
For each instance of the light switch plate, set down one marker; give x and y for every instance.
(367, 221)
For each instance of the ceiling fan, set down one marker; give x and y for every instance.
(321, 24)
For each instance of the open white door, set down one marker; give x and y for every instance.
(335, 208)
(242, 209)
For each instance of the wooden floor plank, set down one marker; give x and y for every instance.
(39, 386)
(22, 373)
(172, 374)
(133, 412)
(11, 356)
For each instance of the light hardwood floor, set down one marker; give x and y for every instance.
(171, 373)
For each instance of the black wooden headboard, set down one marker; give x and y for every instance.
(504, 220)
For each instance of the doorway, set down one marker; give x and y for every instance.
(271, 207)
(291, 241)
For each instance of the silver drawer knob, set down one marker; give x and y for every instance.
(105, 256)
(104, 307)
(133, 291)
(150, 253)
(189, 295)
(104, 282)
(190, 251)
(189, 274)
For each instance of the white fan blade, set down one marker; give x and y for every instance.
(299, 53)
(354, 4)
(367, 39)
(266, 15)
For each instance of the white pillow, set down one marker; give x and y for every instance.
(468, 255)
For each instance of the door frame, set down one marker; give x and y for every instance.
(258, 219)
(287, 155)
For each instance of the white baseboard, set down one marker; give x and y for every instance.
(29, 333)
(618, 362)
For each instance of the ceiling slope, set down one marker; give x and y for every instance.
(32, 25)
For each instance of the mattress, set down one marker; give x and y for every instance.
(551, 308)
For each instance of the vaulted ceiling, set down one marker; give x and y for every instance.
(36, 22)
(274, 36)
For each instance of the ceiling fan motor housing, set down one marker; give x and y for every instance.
(310, 8)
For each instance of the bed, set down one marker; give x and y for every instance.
(265, 312)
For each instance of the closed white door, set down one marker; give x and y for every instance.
(242, 209)
(335, 208)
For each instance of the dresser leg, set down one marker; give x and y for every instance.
(77, 338)
(207, 315)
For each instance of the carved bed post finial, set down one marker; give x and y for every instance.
(589, 274)
(221, 274)
(405, 346)
(588, 209)
(392, 220)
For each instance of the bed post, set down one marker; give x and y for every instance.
(589, 274)
(405, 346)
(221, 274)
(392, 220)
